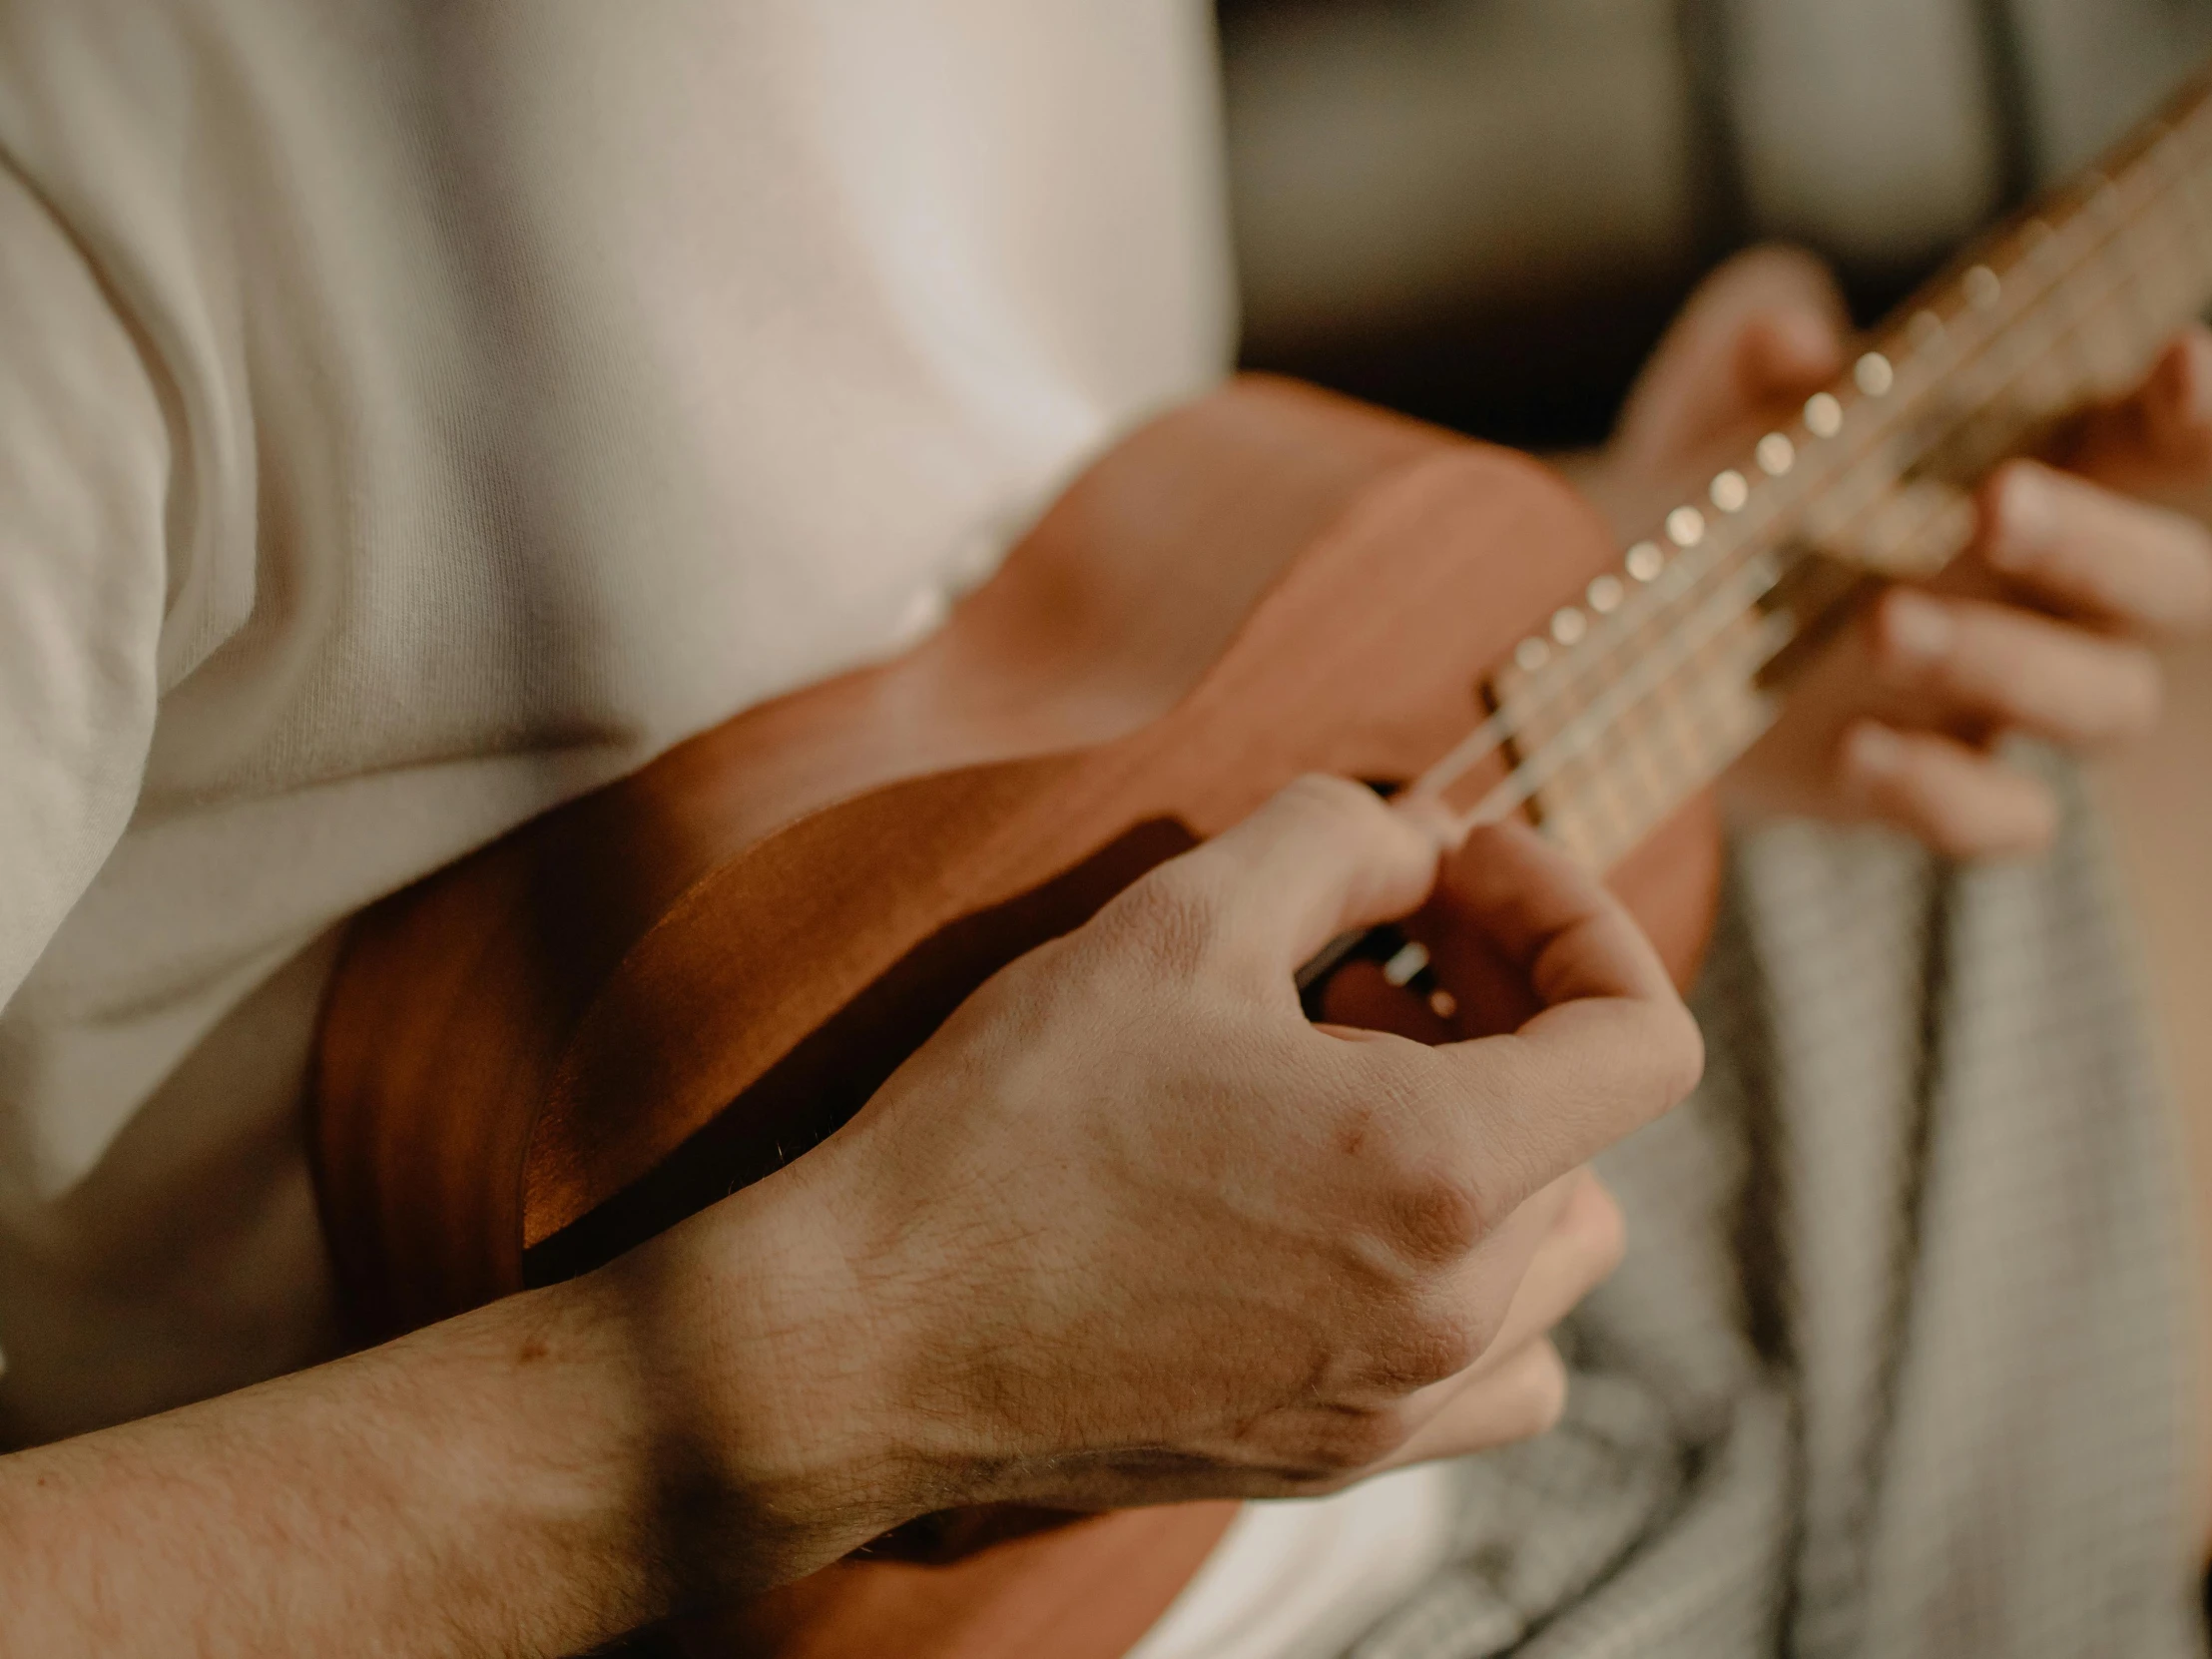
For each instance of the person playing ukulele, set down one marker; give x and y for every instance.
(412, 418)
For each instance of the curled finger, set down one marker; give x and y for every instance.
(2084, 551)
(2158, 439)
(1581, 1247)
(1550, 918)
(1962, 664)
(1610, 1047)
(1519, 1397)
(1962, 801)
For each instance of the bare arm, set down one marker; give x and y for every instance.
(533, 1477)
(482, 1487)
(1128, 1158)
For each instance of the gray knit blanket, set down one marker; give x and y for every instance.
(1897, 1362)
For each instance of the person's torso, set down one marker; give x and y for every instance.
(545, 383)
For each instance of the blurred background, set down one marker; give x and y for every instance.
(1485, 212)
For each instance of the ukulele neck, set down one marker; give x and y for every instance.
(1635, 699)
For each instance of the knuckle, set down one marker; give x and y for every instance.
(1913, 638)
(2022, 500)
(1171, 918)
(1538, 1395)
(2014, 478)
(1346, 1440)
(1669, 1058)
(1876, 631)
(1438, 1217)
(1431, 1346)
(1996, 673)
(1435, 1198)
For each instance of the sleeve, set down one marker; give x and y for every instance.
(85, 476)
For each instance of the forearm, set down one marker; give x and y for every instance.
(482, 1487)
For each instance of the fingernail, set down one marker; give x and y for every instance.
(1876, 751)
(2027, 518)
(1918, 629)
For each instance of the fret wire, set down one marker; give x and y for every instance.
(2050, 371)
(1691, 755)
(1636, 735)
(1500, 800)
(1844, 480)
(1656, 783)
(2161, 284)
(1728, 691)
(2155, 250)
(2133, 311)
(2131, 221)
(2107, 327)
(1722, 690)
(1854, 490)
(1584, 816)
(2187, 154)
(1538, 766)
(1934, 514)
(1647, 741)
(1521, 785)
(2189, 232)
(1508, 722)
(1662, 756)
(2185, 177)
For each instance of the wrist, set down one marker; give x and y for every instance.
(757, 1378)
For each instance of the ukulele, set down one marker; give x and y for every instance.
(667, 990)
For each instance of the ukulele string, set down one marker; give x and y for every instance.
(1834, 478)
(1876, 486)
(1840, 474)
(1727, 607)
(1721, 611)
(1510, 720)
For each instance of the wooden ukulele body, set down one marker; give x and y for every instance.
(666, 989)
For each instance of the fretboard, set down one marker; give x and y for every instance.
(1636, 697)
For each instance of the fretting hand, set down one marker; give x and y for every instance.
(2044, 627)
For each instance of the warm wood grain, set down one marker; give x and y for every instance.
(1089, 1591)
(666, 989)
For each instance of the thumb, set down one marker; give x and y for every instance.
(1770, 327)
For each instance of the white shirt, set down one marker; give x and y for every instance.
(411, 416)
